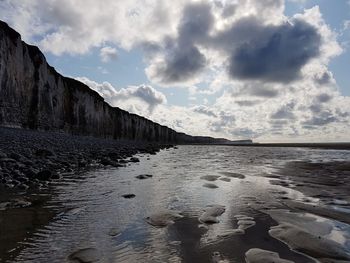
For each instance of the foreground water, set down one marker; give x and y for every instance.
(95, 217)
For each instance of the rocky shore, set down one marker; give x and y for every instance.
(31, 158)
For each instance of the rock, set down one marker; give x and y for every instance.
(15, 156)
(18, 203)
(30, 172)
(44, 175)
(128, 196)
(107, 161)
(86, 255)
(55, 176)
(144, 176)
(134, 160)
(163, 218)
(43, 153)
(22, 186)
(7, 160)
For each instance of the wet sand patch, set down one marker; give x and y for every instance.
(210, 178)
(163, 218)
(210, 186)
(233, 175)
(85, 255)
(257, 255)
(225, 179)
(311, 235)
(211, 214)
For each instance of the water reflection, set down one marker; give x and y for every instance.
(88, 209)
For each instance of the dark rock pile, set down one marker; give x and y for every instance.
(33, 158)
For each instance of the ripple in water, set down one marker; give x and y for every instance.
(131, 214)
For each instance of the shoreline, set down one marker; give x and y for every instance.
(326, 146)
(32, 159)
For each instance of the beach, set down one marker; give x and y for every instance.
(219, 204)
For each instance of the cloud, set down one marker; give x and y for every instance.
(247, 103)
(204, 110)
(131, 96)
(278, 55)
(247, 59)
(285, 112)
(108, 53)
(183, 41)
(181, 60)
(324, 97)
(322, 118)
(181, 65)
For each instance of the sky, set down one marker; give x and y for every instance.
(271, 71)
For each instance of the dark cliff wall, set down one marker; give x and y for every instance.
(33, 95)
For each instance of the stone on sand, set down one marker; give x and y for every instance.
(257, 255)
(163, 218)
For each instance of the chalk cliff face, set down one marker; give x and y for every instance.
(33, 95)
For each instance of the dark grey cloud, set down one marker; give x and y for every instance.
(256, 90)
(196, 23)
(320, 119)
(247, 103)
(263, 92)
(285, 112)
(254, 50)
(183, 60)
(324, 79)
(225, 120)
(277, 54)
(181, 64)
(324, 97)
(148, 94)
(244, 132)
(278, 123)
(316, 108)
(204, 110)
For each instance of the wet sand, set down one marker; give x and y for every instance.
(282, 205)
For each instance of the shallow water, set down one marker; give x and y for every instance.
(91, 212)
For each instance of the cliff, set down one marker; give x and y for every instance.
(34, 95)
